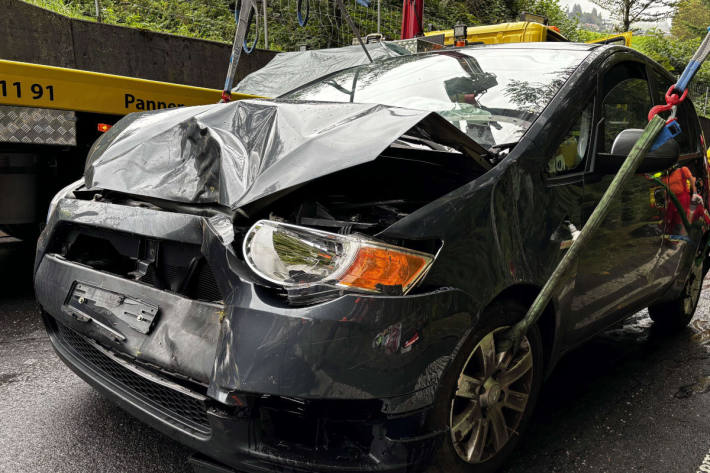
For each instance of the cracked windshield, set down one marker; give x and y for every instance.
(493, 96)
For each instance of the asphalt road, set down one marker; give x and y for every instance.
(630, 400)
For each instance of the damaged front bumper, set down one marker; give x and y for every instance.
(248, 380)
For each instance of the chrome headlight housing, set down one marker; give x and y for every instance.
(298, 257)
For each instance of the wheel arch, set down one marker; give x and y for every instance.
(548, 322)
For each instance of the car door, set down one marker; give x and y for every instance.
(567, 159)
(617, 268)
(692, 153)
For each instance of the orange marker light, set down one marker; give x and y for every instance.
(374, 266)
(300, 257)
(103, 127)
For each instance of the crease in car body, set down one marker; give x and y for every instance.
(322, 371)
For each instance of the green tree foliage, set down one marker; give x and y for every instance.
(671, 53)
(629, 12)
(212, 19)
(674, 51)
(691, 19)
(551, 9)
(207, 19)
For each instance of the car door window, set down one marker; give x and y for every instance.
(689, 138)
(625, 105)
(570, 154)
(661, 84)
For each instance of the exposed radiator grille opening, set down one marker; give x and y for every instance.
(204, 285)
(168, 265)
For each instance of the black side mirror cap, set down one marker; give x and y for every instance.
(663, 158)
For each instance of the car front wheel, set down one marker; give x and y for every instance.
(487, 397)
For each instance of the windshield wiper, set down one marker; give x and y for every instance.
(500, 151)
(338, 87)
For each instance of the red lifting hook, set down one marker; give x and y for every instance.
(672, 100)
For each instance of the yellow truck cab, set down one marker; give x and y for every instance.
(519, 32)
(514, 32)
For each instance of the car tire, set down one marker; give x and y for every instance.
(677, 313)
(449, 407)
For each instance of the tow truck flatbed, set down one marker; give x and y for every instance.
(32, 85)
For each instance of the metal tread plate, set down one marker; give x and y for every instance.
(37, 126)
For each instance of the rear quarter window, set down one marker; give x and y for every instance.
(689, 139)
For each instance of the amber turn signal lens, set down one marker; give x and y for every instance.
(298, 257)
(103, 127)
(374, 268)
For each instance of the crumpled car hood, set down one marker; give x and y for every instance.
(236, 153)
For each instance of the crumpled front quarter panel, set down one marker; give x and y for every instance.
(495, 232)
(353, 347)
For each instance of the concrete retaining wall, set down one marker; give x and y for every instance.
(32, 34)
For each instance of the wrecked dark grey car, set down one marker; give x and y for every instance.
(318, 282)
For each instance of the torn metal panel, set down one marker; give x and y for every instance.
(252, 342)
(302, 354)
(183, 341)
(233, 154)
(297, 351)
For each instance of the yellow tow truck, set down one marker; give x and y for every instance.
(50, 117)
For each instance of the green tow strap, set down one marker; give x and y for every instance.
(515, 334)
(239, 35)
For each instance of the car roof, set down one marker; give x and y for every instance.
(590, 49)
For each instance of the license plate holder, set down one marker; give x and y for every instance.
(91, 302)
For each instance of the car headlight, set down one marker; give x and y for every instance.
(299, 257)
(62, 194)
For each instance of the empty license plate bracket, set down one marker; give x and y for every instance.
(90, 303)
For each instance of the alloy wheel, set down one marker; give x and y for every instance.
(491, 397)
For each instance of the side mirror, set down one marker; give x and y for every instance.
(662, 158)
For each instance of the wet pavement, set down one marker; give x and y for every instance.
(630, 400)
